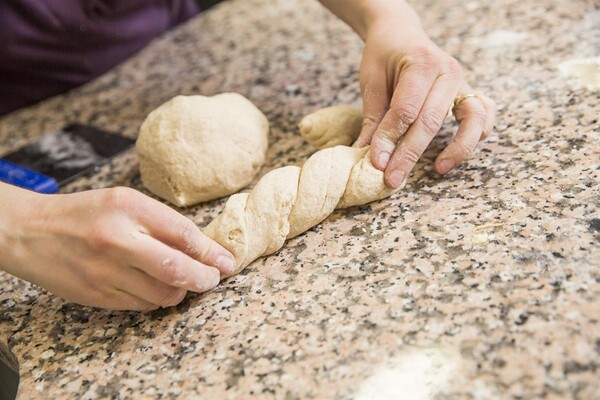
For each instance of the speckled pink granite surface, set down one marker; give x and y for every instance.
(512, 310)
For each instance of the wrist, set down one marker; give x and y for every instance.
(363, 15)
(15, 204)
(396, 16)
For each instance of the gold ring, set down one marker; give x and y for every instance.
(462, 98)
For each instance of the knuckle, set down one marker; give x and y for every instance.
(388, 135)
(432, 121)
(454, 67)
(464, 149)
(425, 56)
(186, 235)
(172, 297)
(206, 249)
(173, 271)
(118, 197)
(101, 235)
(405, 115)
(410, 154)
(368, 122)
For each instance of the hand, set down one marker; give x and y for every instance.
(408, 85)
(111, 248)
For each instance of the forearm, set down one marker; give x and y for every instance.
(360, 15)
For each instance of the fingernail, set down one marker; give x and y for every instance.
(383, 159)
(226, 264)
(396, 178)
(446, 165)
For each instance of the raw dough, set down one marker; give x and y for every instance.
(332, 126)
(287, 201)
(196, 148)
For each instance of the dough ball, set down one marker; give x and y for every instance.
(196, 148)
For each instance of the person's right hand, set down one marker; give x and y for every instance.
(111, 248)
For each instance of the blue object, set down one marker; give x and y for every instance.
(27, 178)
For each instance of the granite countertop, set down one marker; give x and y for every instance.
(483, 284)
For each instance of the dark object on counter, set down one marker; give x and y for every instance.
(26, 178)
(9, 375)
(61, 156)
(206, 4)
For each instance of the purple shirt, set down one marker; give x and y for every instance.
(50, 46)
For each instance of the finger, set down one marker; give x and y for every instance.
(116, 299)
(420, 134)
(471, 114)
(376, 101)
(168, 265)
(168, 226)
(490, 115)
(141, 285)
(409, 96)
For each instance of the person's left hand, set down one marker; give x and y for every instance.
(408, 85)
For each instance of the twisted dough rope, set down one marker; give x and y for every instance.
(290, 200)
